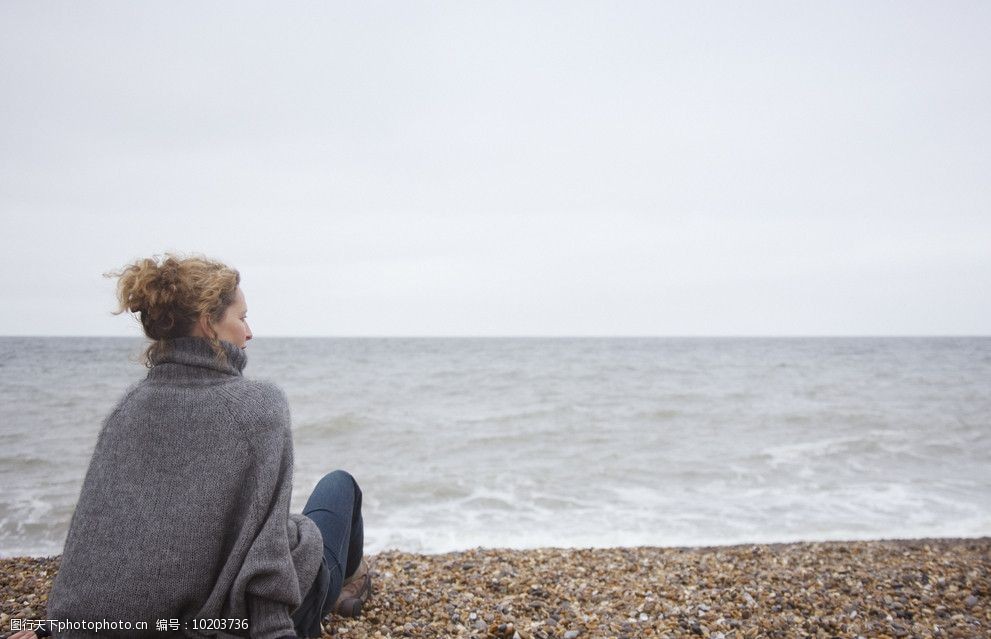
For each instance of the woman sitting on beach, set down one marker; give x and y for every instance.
(183, 521)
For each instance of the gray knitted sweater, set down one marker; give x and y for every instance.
(184, 511)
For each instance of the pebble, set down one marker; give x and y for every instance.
(827, 589)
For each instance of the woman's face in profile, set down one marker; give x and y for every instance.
(233, 326)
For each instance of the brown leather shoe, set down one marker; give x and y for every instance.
(355, 592)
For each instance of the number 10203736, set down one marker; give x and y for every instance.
(219, 624)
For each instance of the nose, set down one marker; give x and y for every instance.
(248, 331)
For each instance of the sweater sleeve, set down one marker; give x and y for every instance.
(268, 580)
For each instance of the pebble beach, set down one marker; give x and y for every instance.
(898, 588)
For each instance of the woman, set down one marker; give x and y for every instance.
(183, 521)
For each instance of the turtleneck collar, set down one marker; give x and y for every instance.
(188, 357)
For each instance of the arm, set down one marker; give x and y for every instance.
(267, 580)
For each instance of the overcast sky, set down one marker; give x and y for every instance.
(572, 168)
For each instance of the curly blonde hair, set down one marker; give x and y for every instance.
(169, 293)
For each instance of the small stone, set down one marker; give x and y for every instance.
(571, 634)
(825, 590)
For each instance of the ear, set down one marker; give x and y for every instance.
(204, 326)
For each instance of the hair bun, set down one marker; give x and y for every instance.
(169, 293)
(167, 282)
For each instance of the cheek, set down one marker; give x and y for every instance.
(232, 327)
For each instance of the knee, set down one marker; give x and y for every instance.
(341, 478)
(339, 475)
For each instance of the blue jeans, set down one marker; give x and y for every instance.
(335, 507)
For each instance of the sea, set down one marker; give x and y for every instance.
(564, 442)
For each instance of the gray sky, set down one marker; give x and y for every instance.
(505, 168)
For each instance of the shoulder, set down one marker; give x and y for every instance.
(129, 401)
(135, 389)
(259, 404)
(260, 393)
